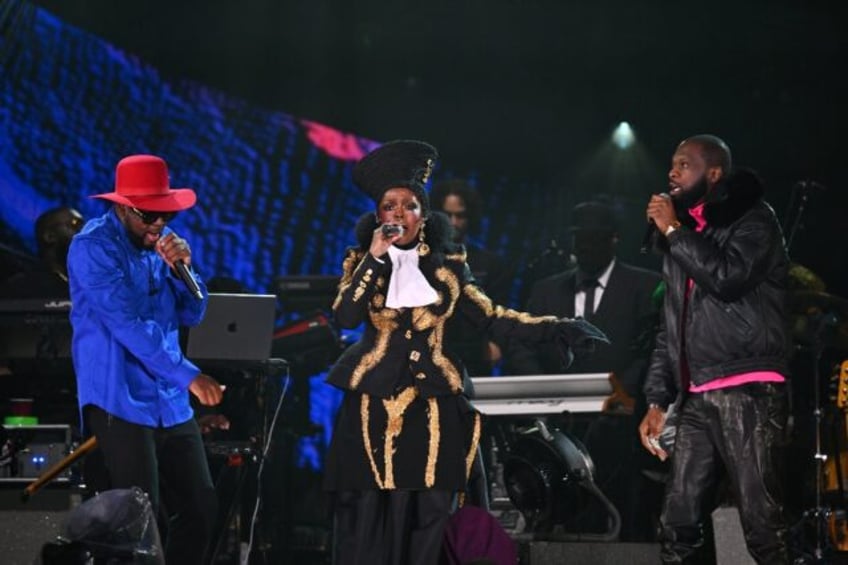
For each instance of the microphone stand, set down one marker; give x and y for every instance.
(818, 514)
(801, 192)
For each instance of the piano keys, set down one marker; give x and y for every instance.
(531, 395)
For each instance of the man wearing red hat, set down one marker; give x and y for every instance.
(132, 378)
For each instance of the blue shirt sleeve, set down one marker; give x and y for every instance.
(138, 323)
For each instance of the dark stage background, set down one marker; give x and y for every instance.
(520, 95)
(262, 106)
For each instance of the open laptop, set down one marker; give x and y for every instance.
(236, 327)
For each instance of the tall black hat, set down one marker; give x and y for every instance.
(593, 216)
(397, 164)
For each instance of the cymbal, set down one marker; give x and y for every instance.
(807, 307)
(802, 278)
(811, 302)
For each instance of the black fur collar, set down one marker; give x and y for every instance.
(732, 197)
(437, 233)
(728, 201)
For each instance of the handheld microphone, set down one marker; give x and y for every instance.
(649, 231)
(187, 278)
(646, 239)
(391, 230)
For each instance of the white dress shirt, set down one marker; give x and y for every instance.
(580, 295)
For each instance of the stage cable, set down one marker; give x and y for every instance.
(245, 556)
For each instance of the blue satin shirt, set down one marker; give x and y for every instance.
(127, 311)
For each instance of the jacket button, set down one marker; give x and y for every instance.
(420, 376)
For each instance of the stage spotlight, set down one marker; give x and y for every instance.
(623, 136)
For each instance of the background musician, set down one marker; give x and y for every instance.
(618, 298)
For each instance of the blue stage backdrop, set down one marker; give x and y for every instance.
(274, 192)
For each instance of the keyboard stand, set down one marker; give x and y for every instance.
(237, 485)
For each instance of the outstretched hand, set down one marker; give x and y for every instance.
(576, 336)
(580, 334)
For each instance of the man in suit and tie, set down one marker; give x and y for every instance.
(619, 299)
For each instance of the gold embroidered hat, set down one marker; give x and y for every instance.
(397, 164)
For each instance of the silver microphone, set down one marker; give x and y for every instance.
(391, 230)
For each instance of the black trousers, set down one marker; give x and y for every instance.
(395, 527)
(170, 461)
(742, 430)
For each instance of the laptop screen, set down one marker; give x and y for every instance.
(236, 327)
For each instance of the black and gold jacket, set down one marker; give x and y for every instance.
(405, 346)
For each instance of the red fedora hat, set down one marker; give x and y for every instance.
(141, 181)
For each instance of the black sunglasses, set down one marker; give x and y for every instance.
(151, 217)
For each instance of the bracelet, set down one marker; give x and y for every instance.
(673, 226)
(657, 406)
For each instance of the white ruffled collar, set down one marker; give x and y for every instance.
(408, 287)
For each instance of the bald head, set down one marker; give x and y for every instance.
(714, 151)
(698, 164)
(54, 230)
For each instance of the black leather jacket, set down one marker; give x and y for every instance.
(734, 319)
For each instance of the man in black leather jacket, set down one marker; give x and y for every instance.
(721, 352)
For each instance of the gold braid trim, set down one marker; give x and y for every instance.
(485, 304)
(461, 257)
(349, 266)
(446, 276)
(395, 409)
(437, 335)
(472, 451)
(523, 317)
(480, 299)
(366, 438)
(442, 362)
(435, 426)
(423, 318)
(384, 320)
(373, 357)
